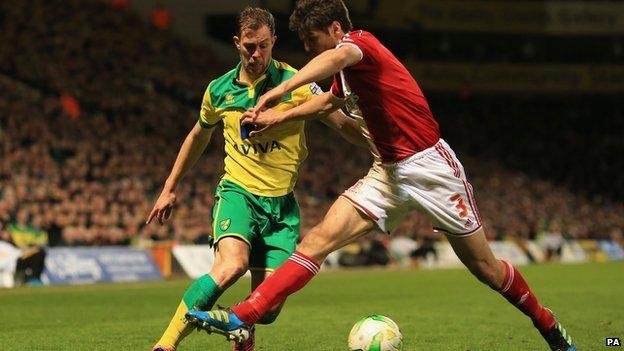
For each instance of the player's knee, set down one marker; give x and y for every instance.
(228, 272)
(235, 270)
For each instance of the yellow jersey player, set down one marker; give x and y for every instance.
(255, 215)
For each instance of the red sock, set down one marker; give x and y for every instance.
(518, 293)
(293, 275)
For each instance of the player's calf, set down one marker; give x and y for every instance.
(201, 294)
(269, 317)
(317, 244)
(515, 289)
(489, 272)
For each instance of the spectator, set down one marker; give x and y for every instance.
(25, 265)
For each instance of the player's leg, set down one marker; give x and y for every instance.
(278, 220)
(277, 242)
(342, 224)
(30, 265)
(233, 232)
(257, 277)
(374, 201)
(475, 253)
(451, 207)
(231, 261)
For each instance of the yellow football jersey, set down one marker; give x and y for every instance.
(266, 165)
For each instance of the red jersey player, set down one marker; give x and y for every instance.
(414, 169)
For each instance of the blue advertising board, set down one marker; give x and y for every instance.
(612, 249)
(84, 265)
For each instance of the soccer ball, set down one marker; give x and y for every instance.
(375, 333)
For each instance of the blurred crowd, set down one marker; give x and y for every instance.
(88, 176)
(87, 172)
(500, 48)
(97, 53)
(407, 38)
(571, 140)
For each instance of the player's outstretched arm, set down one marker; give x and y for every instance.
(193, 146)
(319, 106)
(347, 127)
(322, 66)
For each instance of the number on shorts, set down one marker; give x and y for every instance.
(460, 205)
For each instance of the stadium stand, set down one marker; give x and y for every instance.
(96, 102)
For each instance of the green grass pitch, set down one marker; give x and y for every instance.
(436, 310)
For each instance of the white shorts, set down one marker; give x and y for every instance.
(432, 181)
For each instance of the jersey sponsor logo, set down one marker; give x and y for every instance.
(225, 224)
(258, 148)
(315, 89)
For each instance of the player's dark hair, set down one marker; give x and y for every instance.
(254, 18)
(312, 15)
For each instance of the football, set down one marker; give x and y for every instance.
(375, 333)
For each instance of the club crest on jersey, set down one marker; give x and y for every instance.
(229, 99)
(225, 224)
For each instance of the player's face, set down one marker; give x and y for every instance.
(255, 48)
(316, 41)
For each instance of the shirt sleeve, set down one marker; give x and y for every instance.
(208, 114)
(356, 40)
(306, 93)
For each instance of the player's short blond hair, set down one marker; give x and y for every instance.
(254, 18)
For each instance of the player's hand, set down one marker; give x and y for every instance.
(270, 98)
(261, 121)
(162, 208)
(249, 116)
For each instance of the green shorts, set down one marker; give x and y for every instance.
(269, 225)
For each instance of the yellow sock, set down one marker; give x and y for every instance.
(177, 330)
(200, 295)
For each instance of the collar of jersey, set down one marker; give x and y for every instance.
(271, 73)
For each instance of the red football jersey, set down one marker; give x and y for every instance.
(384, 97)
